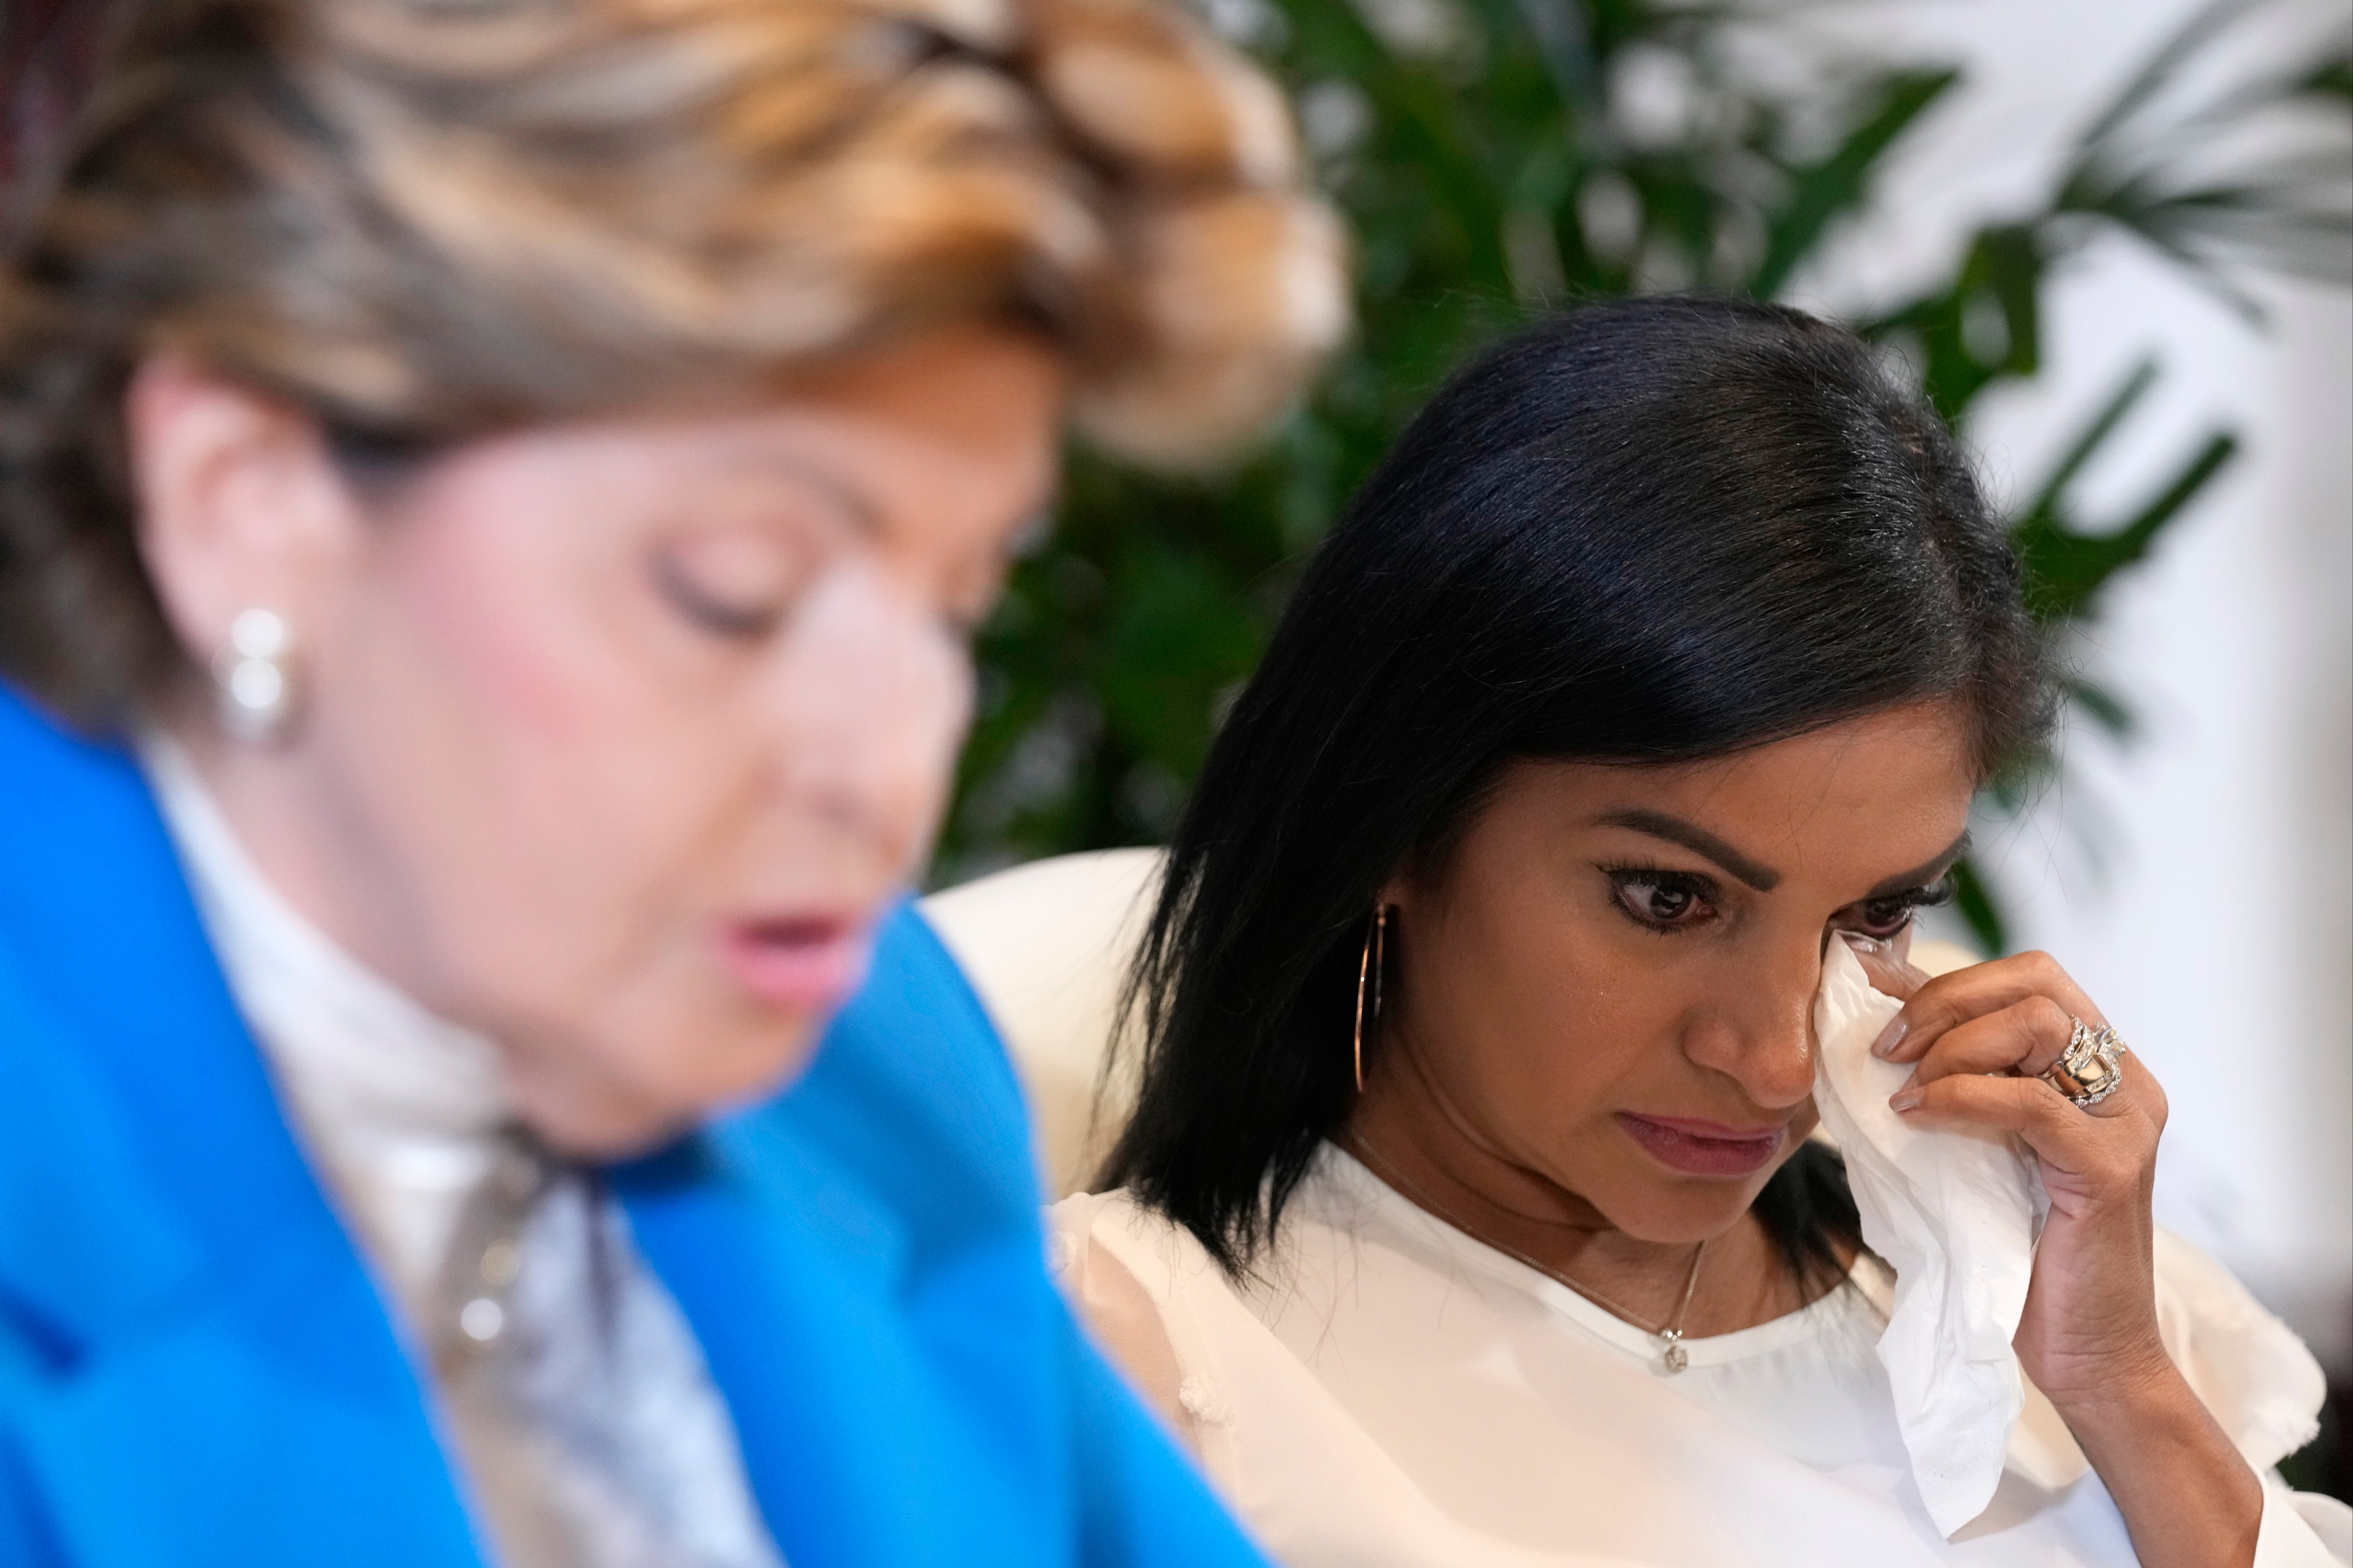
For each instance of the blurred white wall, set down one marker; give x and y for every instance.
(2197, 879)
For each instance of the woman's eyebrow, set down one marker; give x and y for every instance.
(1698, 840)
(1920, 876)
(820, 480)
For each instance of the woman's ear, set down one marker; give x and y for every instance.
(1414, 879)
(238, 502)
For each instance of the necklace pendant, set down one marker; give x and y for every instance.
(1674, 1357)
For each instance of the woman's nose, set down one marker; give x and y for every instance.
(1763, 1035)
(870, 698)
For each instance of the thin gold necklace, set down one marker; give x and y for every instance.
(1670, 1334)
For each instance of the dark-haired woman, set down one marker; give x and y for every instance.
(1468, 1215)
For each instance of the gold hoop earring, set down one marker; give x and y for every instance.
(1369, 976)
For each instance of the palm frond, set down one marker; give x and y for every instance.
(2255, 173)
(1838, 184)
(2067, 566)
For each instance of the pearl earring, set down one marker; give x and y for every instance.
(257, 692)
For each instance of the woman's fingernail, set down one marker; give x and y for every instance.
(1903, 1099)
(1889, 1037)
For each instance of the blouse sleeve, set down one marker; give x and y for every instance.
(2303, 1530)
(2264, 1389)
(2251, 1369)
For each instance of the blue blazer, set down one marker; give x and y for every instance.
(195, 1368)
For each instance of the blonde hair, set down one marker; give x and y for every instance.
(428, 220)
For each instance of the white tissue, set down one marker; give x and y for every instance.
(1956, 1213)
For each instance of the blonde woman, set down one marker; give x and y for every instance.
(491, 495)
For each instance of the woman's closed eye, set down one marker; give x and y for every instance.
(1662, 900)
(731, 584)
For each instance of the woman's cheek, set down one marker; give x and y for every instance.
(948, 715)
(881, 741)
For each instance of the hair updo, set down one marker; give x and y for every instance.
(431, 219)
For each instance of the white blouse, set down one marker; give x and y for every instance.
(1390, 1392)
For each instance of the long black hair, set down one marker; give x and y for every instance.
(1645, 531)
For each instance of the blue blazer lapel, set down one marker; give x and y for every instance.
(860, 1260)
(194, 1366)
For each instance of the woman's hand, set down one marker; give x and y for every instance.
(2090, 1326)
(1980, 1038)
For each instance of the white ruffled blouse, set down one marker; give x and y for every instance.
(1390, 1393)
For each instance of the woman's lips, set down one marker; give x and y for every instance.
(1702, 1148)
(801, 962)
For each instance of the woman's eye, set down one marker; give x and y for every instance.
(1883, 917)
(723, 587)
(1662, 902)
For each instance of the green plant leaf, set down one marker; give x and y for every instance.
(1835, 185)
(2095, 435)
(2104, 707)
(2066, 568)
(2255, 174)
(1986, 326)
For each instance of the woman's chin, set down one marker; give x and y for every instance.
(1679, 1214)
(642, 1103)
